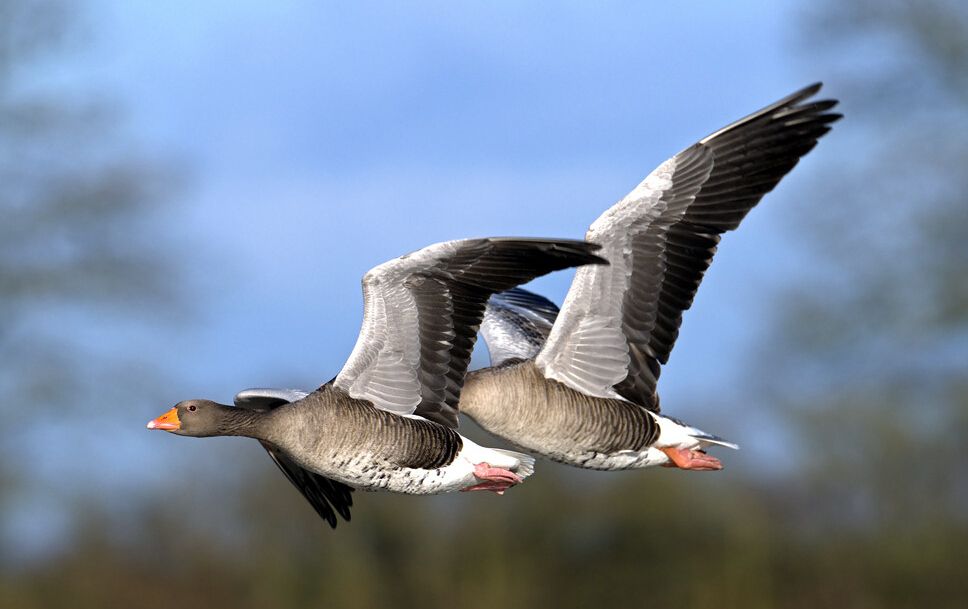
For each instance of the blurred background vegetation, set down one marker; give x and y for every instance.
(863, 375)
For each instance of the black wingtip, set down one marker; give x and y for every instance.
(812, 89)
(590, 258)
(585, 249)
(584, 253)
(329, 518)
(577, 251)
(789, 104)
(798, 96)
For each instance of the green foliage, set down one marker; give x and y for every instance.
(567, 539)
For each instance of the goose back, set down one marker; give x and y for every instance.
(351, 440)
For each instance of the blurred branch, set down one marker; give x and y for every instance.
(77, 202)
(894, 51)
(869, 356)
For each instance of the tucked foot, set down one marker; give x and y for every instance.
(691, 459)
(494, 479)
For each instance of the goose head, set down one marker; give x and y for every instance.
(199, 418)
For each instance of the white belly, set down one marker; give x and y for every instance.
(363, 473)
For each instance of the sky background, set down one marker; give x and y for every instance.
(311, 143)
(323, 141)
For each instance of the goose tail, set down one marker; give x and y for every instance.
(525, 466)
(705, 438)
(675, 431)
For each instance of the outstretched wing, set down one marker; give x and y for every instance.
(328, 497)
(619, 322)
(516, 324)
(422, 312)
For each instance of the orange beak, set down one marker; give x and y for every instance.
(168, 421)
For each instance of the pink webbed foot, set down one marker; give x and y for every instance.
(691, 459)
(493, 479)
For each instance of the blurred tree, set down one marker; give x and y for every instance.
(877, 343)
(868, 366)
(75, 199)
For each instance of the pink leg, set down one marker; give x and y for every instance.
(691, 459)
(493, 479)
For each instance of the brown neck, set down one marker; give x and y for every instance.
(244, 422)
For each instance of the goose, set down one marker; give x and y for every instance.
(382, 422)
(580, 388)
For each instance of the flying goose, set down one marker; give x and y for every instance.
(586, 395)
(384, 422)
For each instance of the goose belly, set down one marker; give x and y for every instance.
(369, 472)
(413, 481)
(623, 459)
(419, 481)
(575, 442)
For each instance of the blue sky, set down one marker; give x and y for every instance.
(324, 138)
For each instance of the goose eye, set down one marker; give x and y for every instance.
(192, 408)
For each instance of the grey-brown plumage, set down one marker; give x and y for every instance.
(515, 401)
(328, 497)
(328, 431)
